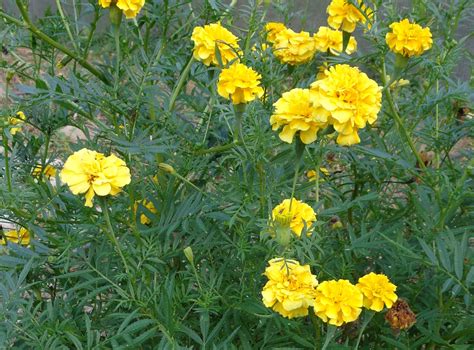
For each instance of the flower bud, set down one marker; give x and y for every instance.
(188, 252)
(115, 15)
(167, 168)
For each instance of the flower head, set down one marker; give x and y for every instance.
(92, 173)
(130, 8)
(400, 316)
(345, 16)
(290, 287)
(149, 206)
(351, 98)
(48, 171)
(214, 37)
(298, 111)
(239, 83)
(338, 302)
(17, 122)
(273, 29)
(378, 291)
(328, 39)
(294, 48)
(408, 39)
(22, 236)
(301, 214)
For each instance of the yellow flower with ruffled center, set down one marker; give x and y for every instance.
(297, 111)
(17, 122)
(49, 171)
(273, 29)
(144, 219)
(338, 302)
(22, 236)
(378, 291)
(92, 173)
(214, 37)
(130, 8)
(351, 98)
(330, 40)
(294, 48)
(345, 16)
(290, 288)
(239, 83)
(300, 215)
(408, 39)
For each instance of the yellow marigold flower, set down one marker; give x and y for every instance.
(211, 37)
(298, 111)
(351, 98)
(92, 173)
(22, 236)
(408, 39)
(330, 40)
(273, 29)
(312, 174)
(301, 214)
(49, 171)
(338, 302)
(290, 287)
(377, 291)
(17, 122)
(294, 48)
(345, 16)
(130, 8)
(239, 83)
(144, 219)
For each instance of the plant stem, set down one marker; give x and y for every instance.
(362, 329)
(116, 29)
(399, 121)
(179, 84)
(66, 24)
(111, 232)
(217, 149)
(299, 150)
(7, 162)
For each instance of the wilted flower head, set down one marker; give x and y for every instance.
(21, 236)
(130, 8)
(345, 16)
(298, 111)
(294, 48)
(214, 37)
(290, 287)
(400, 316)
(149, 206)
(338, 302)
(17, 122)
(351, 98)
(298, 216)
(273, 29)
(378, 291)
(408, 39)
(92, 173)
(239, 83)
(330, 40)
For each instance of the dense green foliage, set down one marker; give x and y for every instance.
(70, 289)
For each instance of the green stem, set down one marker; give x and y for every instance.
(317, 329)
(362, 329)
(331, 331)
(239, 112)
(45, 154)
(217, 149)
(399, 121)
(179, 84)
(299, 150)
(7, 162)
(111, 232)
(116, 29)
(35, 31)
(66, 24)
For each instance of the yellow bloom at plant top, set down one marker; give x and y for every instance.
(92, 173)
(300, 215)
(49, 171)
(378, 291)
(294, 48)
(290, 288)
(351, 98)
(144, 219)
(22, 236)
(345, 16)
(338, 302)
(297, 111)
(214, 37)
(408, 39)
(239, 83)
(273, 29)
(130, 8)
(330, 40)
(16, 122)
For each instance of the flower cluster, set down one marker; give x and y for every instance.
(330, 40)
(273, 29)
(130, 8)
(212, 39)
(290, 287)
(345, 16)
(408, 39)
(93, 173)
(21, 236)
(239, 83)
(297, 214)
(294, 48)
